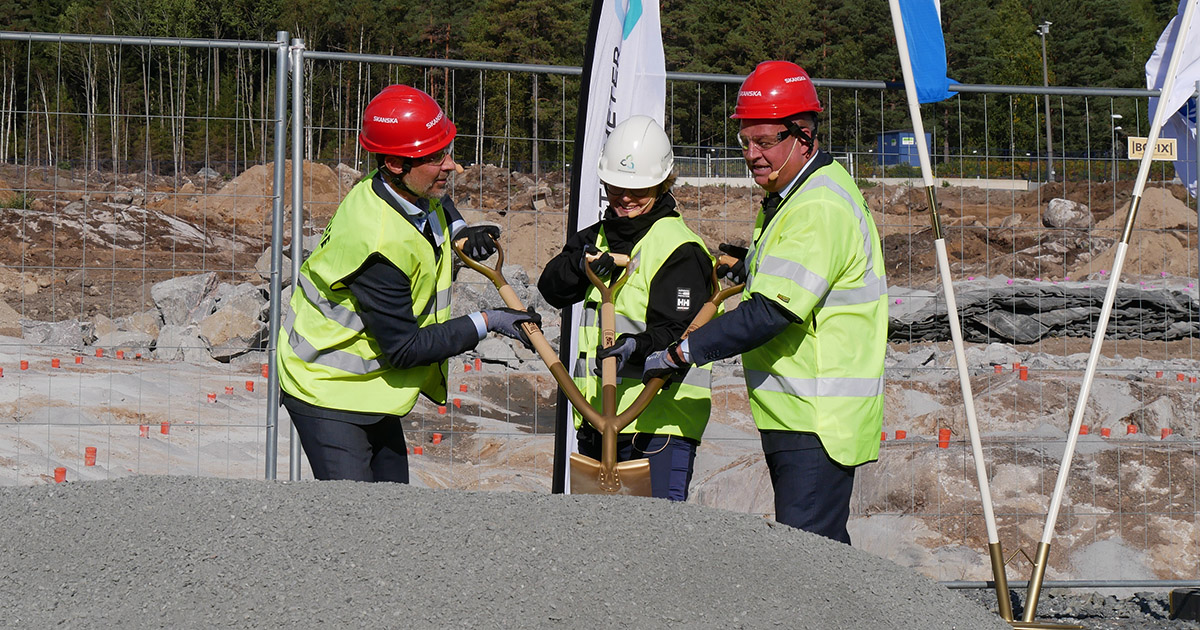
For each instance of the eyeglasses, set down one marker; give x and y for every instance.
(437, 157)
(616, 192)
(764, 143)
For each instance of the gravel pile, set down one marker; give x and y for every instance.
(191, 552)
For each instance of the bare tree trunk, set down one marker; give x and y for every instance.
(358, 107)
(308, 131)
(114, 104)
(146, 104)
(50, 157)
(7, 111)
(177, 98)
(90, 99)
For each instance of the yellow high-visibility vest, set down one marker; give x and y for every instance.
(326, 355)
(682, 408)
(821, 259)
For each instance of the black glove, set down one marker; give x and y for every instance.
(602, 266)
(624, 346)
(507, 322)
(735, 273)
(481, 240)
(662, 364)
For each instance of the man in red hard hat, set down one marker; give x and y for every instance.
(812, 325)
(368, 328)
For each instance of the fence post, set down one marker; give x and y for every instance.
(281, 57)
(297, 202)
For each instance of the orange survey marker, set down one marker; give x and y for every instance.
(606, 476)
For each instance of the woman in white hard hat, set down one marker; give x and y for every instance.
(669, 282)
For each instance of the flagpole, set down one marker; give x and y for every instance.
(964, 377)
(1160, 115)
(566, 349)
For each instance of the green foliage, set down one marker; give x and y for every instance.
(15, 201)
(216, 92)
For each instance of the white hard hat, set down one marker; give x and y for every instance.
(637, 154)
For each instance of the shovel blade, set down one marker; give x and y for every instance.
(632, 478)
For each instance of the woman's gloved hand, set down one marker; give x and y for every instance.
(623, 347)
(508, 322)
(602, 265)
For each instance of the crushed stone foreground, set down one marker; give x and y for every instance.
(156, 551)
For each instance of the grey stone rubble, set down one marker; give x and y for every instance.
(1024, 312)
(195, 318)
(1094, 611)
(175, 552)
(200, 319)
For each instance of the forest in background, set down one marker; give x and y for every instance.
(214, 106)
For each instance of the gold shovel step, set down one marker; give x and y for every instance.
(630, 478)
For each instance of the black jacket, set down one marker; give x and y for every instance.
(563, 281)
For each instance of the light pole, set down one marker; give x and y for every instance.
(1115, 129)
(1042, 30)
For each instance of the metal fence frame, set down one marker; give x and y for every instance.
(289, 63)
(280, 46)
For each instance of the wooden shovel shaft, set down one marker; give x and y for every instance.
(608, 422)
(620, 260)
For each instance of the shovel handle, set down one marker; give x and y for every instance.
(620, 260)
(706, 313)
(540, 344)
(606, 290)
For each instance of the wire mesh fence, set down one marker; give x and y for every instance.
(116, 154)
(138, 198)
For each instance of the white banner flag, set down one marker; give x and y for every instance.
(629, 77)
(1181, 125)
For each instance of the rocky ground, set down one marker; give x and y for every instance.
(176, 271)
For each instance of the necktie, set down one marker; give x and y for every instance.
(427, 231)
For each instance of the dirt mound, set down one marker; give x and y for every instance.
(247, 199)
(1159, 243)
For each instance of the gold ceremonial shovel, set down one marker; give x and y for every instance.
(589, 476)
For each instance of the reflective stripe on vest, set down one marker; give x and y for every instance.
(874, 286)
(331, 310)
(439, 302)
(340, 359)
(624, 324)
(695, 376)
(841, 387)
(345, 361)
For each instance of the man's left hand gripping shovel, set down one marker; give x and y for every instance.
(589, 476)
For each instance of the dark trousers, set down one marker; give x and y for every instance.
(357, 452)
(812, 492)
(671, 458)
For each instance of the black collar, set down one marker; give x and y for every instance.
(771, 206)
(623, 233)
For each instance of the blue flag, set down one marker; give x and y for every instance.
(926, 49)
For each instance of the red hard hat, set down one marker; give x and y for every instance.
(405, 121)
(776, 89)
